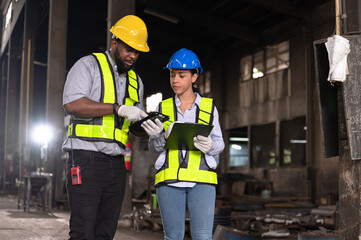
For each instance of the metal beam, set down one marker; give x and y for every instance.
(220, 4)
(177, 40)
(353, 12)
(58, 12)
(12, 106)
(117, 10)
(282, 31)
(228, 18)
(210, 21)
(285, 7)
(16, 8)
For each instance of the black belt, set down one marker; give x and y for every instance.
(88, 153)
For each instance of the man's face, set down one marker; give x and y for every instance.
(124, 56)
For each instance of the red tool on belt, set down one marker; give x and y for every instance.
(75, 175)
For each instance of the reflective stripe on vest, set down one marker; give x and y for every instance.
(194, 167)
(107, 128)
(167, 107)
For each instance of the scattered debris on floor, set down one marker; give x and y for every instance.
(256, 218)
(228, 233)
(281, 217)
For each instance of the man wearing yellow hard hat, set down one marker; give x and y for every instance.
(103, 95)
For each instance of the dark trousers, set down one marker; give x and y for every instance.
(95, 204)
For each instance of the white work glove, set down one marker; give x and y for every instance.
(203, 143)
(166, 134)
(132, 113)
(152, 128)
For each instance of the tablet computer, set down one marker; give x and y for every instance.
(181, 136)
(136, 128)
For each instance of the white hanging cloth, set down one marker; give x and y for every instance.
(338, 48)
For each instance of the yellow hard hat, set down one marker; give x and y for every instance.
(132, 30)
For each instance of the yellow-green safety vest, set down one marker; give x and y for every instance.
(109, 128)
(192, 167)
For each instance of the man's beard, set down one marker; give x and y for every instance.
(120, 64)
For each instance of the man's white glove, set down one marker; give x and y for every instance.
(132, 113)
(152, 128)
(166, 134)
(203, 143)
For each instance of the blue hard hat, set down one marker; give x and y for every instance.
(184, 59)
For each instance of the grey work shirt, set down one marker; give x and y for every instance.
(84, 80)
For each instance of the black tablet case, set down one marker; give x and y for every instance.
(136, 128)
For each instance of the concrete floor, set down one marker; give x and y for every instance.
(37, 225)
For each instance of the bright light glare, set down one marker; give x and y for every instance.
(42, 134)
(236, 146)
(257, 73)
(153, 101)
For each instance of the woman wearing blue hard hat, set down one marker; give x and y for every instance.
(186, 179)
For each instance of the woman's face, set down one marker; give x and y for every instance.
(181, 80)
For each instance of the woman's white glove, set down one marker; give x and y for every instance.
(203, 143)
(166, 134)
(132, 113)
(152, 128)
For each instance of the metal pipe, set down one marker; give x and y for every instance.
(344, 17)
(338, 17)
(27, 95)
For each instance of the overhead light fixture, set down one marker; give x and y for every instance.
(238, 139)
(298, 141)
(162, 15)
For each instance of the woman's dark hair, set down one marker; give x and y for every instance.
(195, 89)
(194, 71)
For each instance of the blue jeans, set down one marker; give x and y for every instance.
(199, 200)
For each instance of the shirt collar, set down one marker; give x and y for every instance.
(115, 67)
(197, 101)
